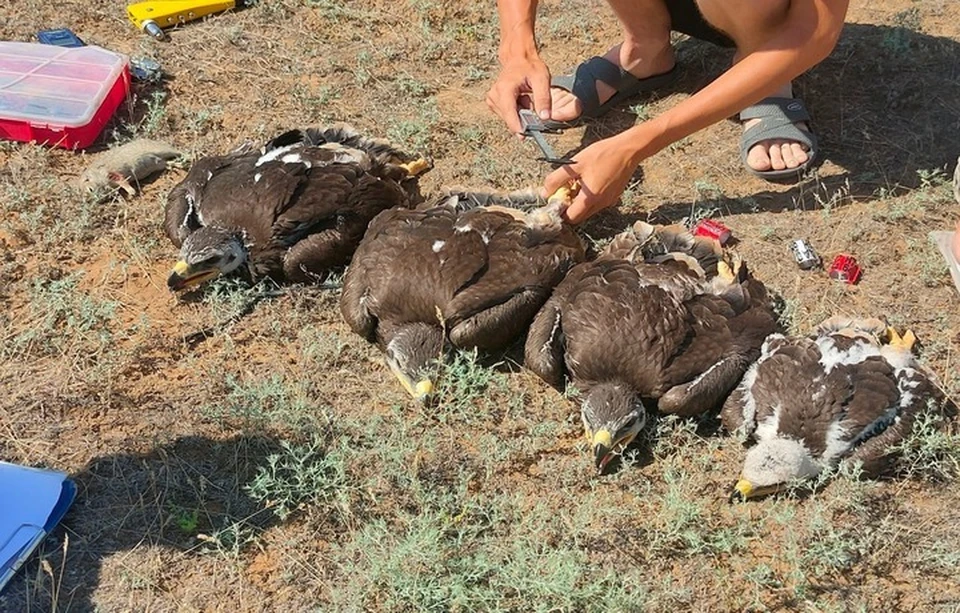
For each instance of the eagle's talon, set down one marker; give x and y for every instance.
(565, 194)
(904, 342)
(417, 167)
(724, 271)
(730, 267)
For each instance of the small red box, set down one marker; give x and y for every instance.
(846, 269)
(62, 96)
(713, 229)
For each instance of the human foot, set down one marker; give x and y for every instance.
(638, 62)
(777, 154)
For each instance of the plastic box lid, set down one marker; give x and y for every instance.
(56, 86)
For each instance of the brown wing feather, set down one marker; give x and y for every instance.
(499, 325)
(354, 298)
(544, 348)
(395, 276)
(515, 265)
(327, 218)
(917, 394)
(477, 268)
(181, 212)
(615, 329)
(708, 340)
(784, 385)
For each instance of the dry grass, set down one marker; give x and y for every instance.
(276, 465)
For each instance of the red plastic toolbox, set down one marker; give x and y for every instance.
(59, 96)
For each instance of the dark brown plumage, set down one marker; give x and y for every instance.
(651, 319)
(848, 392)
(290, 210)
(454, 271)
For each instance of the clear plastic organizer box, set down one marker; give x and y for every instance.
(61, 96)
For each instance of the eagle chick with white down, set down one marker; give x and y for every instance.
(848, 392)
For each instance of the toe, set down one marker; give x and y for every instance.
(758, 159)
(786, 152)
(800, 153)
(776, 158)
(564, 105)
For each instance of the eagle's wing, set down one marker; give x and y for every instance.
(399, 273)
(244, 195)
(328, 216)
(884, 413)
(311, 259)
(771, 379)
(616, 329)
(521, 271)
(546, 343)
(545, 346)
(181, 214)
(355, 298)
(727, 337)
(318, 196)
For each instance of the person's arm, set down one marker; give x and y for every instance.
(517, 29)
(522, 72)
(810, 34)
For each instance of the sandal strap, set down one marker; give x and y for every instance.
(583, 82)
(778, 118)
(793, 109)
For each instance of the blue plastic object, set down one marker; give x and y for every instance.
(32, 503)
(62, 37)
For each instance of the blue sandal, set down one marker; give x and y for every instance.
(583, 84)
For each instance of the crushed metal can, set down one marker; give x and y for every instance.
(846, 269)
(713, 229)
(145, 70)
(804, 254)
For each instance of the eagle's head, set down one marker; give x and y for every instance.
(612, 415)
(205, 254)
(413, 355)
(771, 464)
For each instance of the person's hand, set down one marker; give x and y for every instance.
(603, 170)
(520, 78)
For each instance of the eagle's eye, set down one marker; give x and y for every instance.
(628, 425)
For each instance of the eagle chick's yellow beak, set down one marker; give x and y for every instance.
(742, 491)
(420, 391)
(745, 490)
(183, 276)
(423, 389)
(602, 447)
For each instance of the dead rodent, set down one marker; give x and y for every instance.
(127, 165)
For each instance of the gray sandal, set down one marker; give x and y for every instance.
(583, 84)
(778, 117)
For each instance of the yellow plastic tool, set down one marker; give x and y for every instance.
(154, 15)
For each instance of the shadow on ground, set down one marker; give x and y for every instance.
(886, 106)
(187, 495)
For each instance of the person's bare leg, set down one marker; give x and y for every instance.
(749, 23)
(644, 52)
